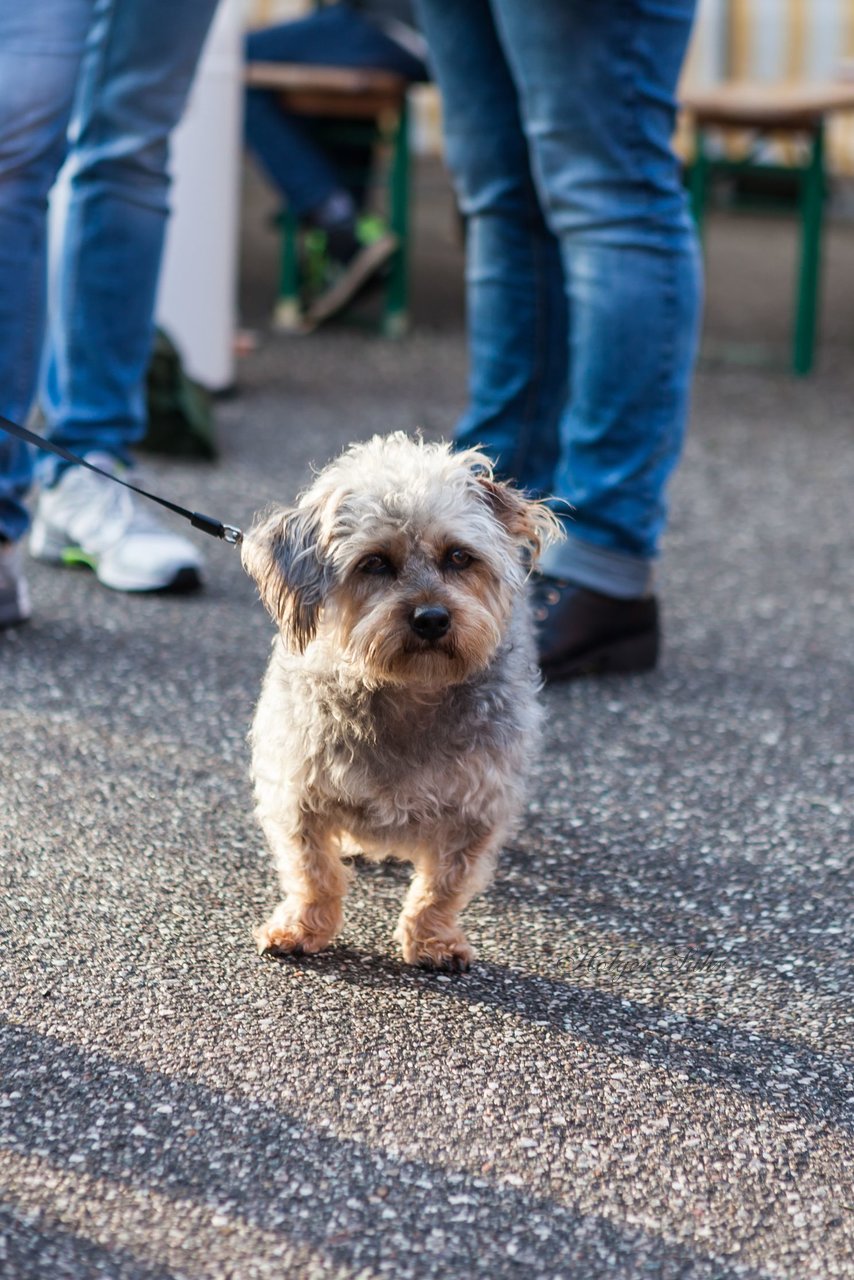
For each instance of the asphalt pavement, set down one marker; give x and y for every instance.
(648, 1073)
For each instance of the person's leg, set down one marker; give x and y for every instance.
(514, 280)
(134, 79)
(305, 171)
(40, 51)
(290, 156)
(596, 85)
(136, 73)
(333, 36)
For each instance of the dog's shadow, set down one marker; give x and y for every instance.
(709, 1051)
(359, 968)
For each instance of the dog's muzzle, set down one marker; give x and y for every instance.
(430, 621)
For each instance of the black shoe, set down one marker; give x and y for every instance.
(581, 632)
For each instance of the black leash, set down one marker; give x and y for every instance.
(207, 524)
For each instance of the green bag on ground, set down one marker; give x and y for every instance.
(180, 411)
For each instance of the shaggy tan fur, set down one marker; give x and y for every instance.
(369, 734)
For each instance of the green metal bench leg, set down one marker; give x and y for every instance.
(699, 183)
(809, 275)
(395, 316)
(288, 312)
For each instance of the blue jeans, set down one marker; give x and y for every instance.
(305, 171)
(118, 72)
(583, 274)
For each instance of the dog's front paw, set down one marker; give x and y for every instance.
(294, 932)
(452, 953)
(286, 939)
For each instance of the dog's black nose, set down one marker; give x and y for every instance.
(430, 621)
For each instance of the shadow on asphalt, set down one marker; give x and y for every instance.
(185, 1140)
(708, 1052)
(56, 1247)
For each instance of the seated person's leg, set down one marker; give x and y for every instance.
(334, 36)
(292, 158)
(312, 174)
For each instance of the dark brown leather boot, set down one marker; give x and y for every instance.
(581, 632)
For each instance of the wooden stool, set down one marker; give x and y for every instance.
(775, 108)
(379, 99)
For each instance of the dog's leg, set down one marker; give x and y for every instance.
(314, 881)
(428, 930)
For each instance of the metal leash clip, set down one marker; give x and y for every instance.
(216, 529)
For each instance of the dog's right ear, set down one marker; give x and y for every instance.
(281, 553)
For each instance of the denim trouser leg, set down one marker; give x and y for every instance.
(514, 279)
(136, 73)
(336, 36)
(518, 338)
(594, 87)
(40, 53)
(127, 66)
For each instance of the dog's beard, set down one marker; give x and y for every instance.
(379, 644)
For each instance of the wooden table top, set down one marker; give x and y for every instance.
(749, 103)
(300, 78)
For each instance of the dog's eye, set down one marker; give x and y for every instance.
(376, 564)
(457, 558)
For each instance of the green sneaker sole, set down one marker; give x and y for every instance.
(77, 556)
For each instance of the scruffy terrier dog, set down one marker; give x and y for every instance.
(399, 706)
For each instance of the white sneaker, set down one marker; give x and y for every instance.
(87, 519)
(14, 596)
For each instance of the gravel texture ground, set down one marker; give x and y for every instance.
(649, 1071)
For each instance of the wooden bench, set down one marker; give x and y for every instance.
(379, 99)
(793, 108)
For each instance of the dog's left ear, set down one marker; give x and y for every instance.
(281, 553)
(530, 523)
